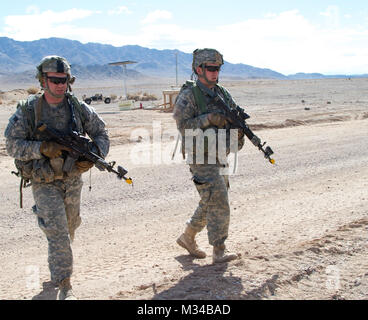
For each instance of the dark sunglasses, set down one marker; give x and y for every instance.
(57, 80)
(212, 68)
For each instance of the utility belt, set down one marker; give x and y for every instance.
(45, 170)
(208, 142)
(42, 171)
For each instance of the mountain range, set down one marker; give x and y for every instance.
(19, 58)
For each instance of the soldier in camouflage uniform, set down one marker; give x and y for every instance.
(211, 182)
(56, 193)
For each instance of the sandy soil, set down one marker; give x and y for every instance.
(300, 226)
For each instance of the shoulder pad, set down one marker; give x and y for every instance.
(28, 107)
(22, 104)
(28, 104)
(188, 84)
(32, 98)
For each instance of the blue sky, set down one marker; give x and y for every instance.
(287, 36)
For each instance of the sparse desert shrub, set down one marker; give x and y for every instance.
(149, 97)
(113, 97)
(133, 96)
(32, 90)
(141, 97)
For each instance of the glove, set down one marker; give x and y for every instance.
(217, 119)
(84, 166)
(52, 149)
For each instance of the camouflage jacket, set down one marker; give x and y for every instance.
(189, 116)
(26, 148)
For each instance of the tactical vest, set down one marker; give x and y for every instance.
(201, 103)
(31, 109)
(32, 106)
(199, 97)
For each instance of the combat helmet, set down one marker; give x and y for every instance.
(54, 64)
(206, 55)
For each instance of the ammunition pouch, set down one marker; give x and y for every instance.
(24, 168)
(42, 171)
(57, 167)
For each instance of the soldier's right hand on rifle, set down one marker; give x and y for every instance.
(52, 149)
(84, 166)
(217, 119)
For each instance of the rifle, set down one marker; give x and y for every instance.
(79, 148)
(237, 117)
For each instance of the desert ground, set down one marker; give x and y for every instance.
(300, 227)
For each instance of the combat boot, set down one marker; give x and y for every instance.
(187, 241)
(65, 290)
(220, 254)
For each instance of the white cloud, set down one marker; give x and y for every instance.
(157, 15)
(42, 24)
(120, 10)
(270, 15)
(332, 15)
(33, 10)
(290, 43)
(286, 42)
(330, 11)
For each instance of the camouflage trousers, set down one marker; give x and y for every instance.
(57, 208)
(213, 209)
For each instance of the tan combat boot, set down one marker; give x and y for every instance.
(66, 292)
(186, 240)
(220, 256)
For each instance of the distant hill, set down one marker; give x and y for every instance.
(301, 75)
(18, 60)
(19, 56)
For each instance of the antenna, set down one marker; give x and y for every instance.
(176, 54)
(124, 64)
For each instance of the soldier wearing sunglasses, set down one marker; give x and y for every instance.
(40, 161)
(194, 109)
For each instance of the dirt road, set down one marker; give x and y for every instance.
(301, 226)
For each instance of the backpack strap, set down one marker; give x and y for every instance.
(23, 105)
(198, 95)
(31, 108)
(77, 106)
(199, 99)
(28, 110)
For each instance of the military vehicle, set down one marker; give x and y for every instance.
(97, 97)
